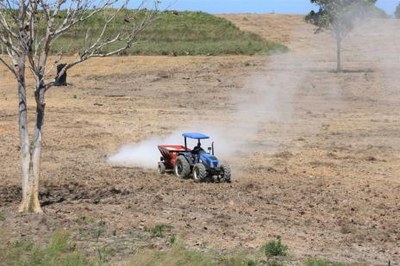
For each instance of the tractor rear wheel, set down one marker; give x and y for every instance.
(225, 175)
(182, 167)
(199, 172)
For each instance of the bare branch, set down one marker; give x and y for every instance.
(129, 39)
(6, 28)
(10, 67)
(79, 14)
(48, 70)
(95, 50)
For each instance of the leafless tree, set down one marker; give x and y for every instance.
(28, 48)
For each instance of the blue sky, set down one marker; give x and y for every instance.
(258, 6)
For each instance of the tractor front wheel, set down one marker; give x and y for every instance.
(199, 172)
(182, 167)
(225, 175)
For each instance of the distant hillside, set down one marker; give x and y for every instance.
(177, 33)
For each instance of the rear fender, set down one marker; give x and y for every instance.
(188, 157)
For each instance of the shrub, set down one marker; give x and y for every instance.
(275, 248)
(172, 240)
(159, 229)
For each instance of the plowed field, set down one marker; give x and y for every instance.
(315, 154)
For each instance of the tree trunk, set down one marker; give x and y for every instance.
(338, 54)
(30, 156)
(61, 80)
(23, 132)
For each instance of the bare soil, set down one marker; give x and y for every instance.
(322, 173)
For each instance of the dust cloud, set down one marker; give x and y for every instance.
(265, 114)
(143, 154)
(383, 52)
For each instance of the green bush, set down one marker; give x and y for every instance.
(159, 230)
(275, 248)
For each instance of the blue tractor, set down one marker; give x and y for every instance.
(201, 164)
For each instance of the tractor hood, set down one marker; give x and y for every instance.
(209, 160)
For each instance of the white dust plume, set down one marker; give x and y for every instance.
(143, 154)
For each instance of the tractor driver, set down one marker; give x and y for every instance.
(196, 151)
